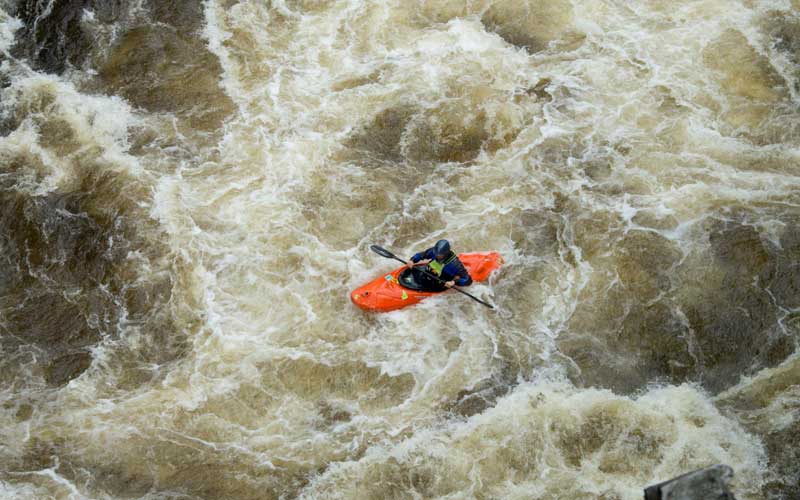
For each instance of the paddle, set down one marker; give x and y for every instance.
(389, 255)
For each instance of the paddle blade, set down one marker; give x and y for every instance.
(382, 252)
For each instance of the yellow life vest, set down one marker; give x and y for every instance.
(437, 266)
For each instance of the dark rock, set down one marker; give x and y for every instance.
(705, 484)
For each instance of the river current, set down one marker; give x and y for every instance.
(188, 192)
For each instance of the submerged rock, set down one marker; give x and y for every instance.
(445, 134)
(734, 317)
(39, 233)
(746, 77)
(784, 32)
(160, 69)
(652, 314)
(153, 57)
(627, 333)
(532, 25)
(382, 136)
(67, 280)
(741, 70)
(75, 255)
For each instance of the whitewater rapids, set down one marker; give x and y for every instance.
(188, 192)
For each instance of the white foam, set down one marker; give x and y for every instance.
(268, 231)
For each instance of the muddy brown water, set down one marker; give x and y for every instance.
(189, 190)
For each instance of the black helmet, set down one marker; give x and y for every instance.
(442, 247)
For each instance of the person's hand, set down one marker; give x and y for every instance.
(410, 264)
(450, 284)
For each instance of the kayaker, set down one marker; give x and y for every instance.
(443, 263)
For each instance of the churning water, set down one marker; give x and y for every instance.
(188, 191)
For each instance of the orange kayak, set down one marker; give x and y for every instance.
(387, 293)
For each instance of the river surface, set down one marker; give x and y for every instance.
(188, 192)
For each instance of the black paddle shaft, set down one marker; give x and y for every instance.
(389, 255)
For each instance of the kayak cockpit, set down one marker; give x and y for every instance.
(415, 279)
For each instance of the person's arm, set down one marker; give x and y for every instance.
(421, 256)
(461, 278)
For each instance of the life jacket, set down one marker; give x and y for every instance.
(437, 267)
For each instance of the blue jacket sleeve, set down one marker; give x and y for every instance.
(426, 254)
